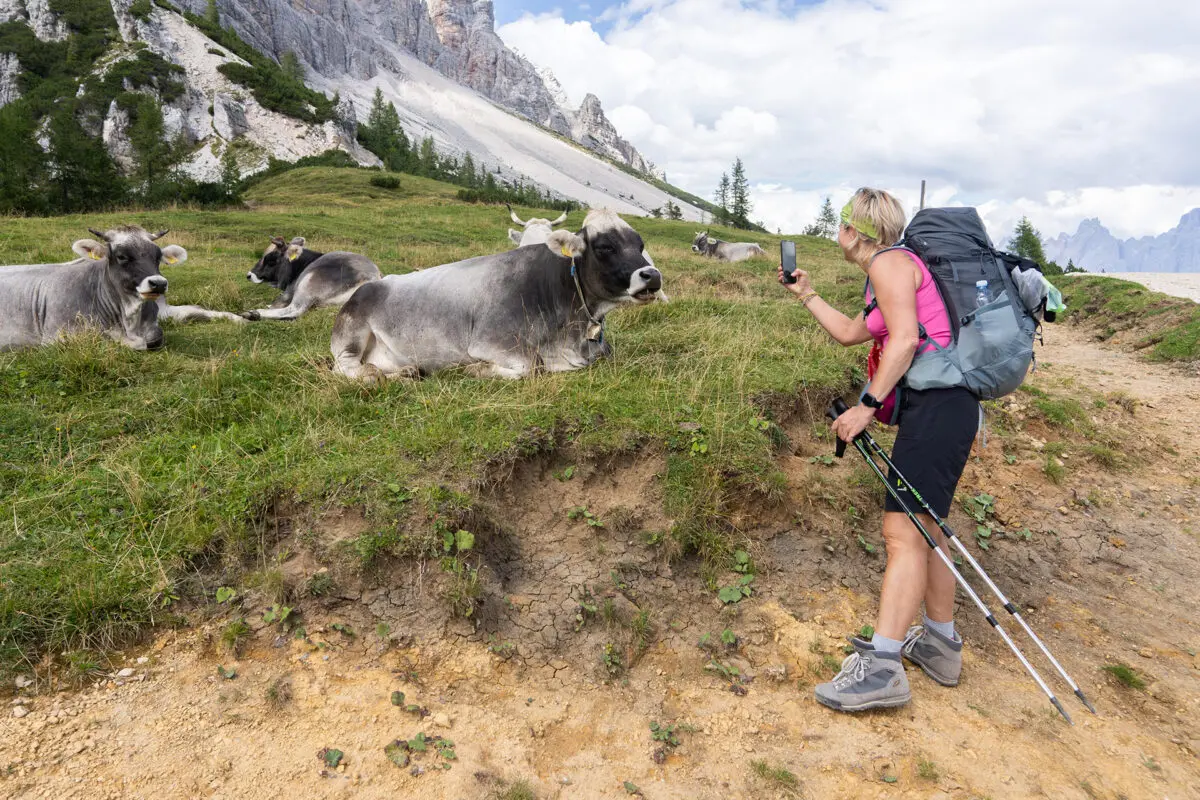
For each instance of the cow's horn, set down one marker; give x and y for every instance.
(278, 241)
(102, 237)
(560, 220)
(514, 216)
(160, 234)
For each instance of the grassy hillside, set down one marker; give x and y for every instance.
(1166, 327)
(125, 475)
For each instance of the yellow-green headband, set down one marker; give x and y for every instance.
(863, 226)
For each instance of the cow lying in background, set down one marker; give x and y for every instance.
(307, 279)
(503, 315)
(113, 287)
(725, 251)
(536, 230)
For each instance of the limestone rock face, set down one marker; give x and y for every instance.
(229, 117)
(368, 39)
(9, 69)
(115, 136)
(37, 14)
(1095, 249)
(593, 130)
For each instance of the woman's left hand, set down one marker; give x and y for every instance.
(853, 422)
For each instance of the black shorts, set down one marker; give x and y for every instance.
(933, 443)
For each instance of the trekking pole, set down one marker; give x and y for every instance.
(860, 444)
(975, 565)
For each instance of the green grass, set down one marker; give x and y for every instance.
(780, 777)
(1125, 675)
(128, 477)
(1170, 326)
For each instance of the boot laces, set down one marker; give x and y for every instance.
(912, 637)
(854, 668)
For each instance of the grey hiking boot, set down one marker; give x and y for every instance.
(868, 680)
(940, 658)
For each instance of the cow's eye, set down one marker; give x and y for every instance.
(607, 249)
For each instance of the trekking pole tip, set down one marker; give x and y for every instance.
(1062, 711)
(1084, 700)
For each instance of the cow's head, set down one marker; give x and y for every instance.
(700, 243)
(275, 259)
(131, 259)
(615, 265)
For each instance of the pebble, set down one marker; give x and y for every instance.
(143, 660)
(20, 711)
(23, 681)
(441, 719)
(126, 673)
(1146, 652)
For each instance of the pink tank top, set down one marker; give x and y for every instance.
(931, 311)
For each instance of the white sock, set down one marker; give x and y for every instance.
(882, 644)
(944, 628)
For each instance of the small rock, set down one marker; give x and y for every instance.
(20, 711)
(441, 719)
(143, 660)
(1146, 652)
(23, 681)
(126, 673)
(20, 701)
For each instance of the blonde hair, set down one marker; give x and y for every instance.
(881, 210)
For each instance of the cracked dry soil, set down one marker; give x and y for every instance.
(524, 690)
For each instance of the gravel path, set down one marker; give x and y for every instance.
(1179, 284)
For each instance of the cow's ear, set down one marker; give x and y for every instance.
(174, 254)
(294, 251)
(90, 248)
(300, 240)
(515, 236)
(566, 244)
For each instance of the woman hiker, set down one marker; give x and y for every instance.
(933, 442)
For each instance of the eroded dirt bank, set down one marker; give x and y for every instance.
(558, 677)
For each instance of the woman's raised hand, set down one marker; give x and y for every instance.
(802, 284)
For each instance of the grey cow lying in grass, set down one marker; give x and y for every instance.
(503, 315)
(307, 279)
(725, 251)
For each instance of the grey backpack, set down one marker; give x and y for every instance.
(993, 329)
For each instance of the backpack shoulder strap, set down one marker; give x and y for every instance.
(871, 306)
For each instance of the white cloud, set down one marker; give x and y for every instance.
(1059, 111)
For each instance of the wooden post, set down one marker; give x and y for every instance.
(922, 193)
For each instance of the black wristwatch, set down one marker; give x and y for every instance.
(869, 400)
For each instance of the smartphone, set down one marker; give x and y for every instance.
(787, 256)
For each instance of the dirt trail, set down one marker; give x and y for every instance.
(1107, 576)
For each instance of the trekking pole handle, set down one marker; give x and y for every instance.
(838, 408)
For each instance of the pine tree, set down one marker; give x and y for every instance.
(292, 68)
(153, 155)
(722, 197)
(466, 172)
(827, 221)
(82, 174)
(22, 162)
(384, 136)
(1027, 242)
(428, 160)
(739, 190)
(212, 14)
(231, 174)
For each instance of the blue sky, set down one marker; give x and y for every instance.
(1057, 110)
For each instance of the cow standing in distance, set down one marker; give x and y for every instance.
(725, 251)
(113, 287)
(504, 315)
(535, 230)
(307, 279)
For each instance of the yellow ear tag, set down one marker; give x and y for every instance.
(92, 255)
(567, 252)
(293, 256)
(171, 260)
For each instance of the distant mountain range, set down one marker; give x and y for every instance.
(1094, 249)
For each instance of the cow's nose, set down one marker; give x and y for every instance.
(249, 276)
(652, 277)
(158, 284)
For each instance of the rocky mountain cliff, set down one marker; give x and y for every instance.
(442, 65)
(1095, 249)
(358, 38)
